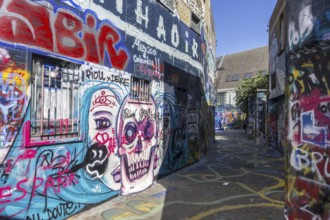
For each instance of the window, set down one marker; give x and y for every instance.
(195, 23)
(235, 77)
(140, 90)
(282, 33)
(247, 76)
(273, 81)
(263, 72)
(228, 78)
(54, 101)
(168, 3)
(221, 98)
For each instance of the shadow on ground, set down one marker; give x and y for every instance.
(235, 180)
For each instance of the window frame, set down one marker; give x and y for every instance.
(234, 78)
(140, 90)
(50, 117)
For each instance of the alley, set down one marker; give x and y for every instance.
(235, 180)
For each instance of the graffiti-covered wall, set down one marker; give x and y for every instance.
(277, 128)
(97, 98)
(308, 50)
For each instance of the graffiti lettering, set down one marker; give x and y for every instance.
(36, 183)
(154, 71)
(145, 49)
(59, 162)
(95, 75)
(66, 29)
(34, 217)
(59, 180)
(160, 29)
(318, 47)
(62, 210)
(139, 15)
(146, 113)
(304, 29)
(142, 60)
(107, 77)
(128, 113)
(118, 79)
(5, 192)
(313, 162)
(54, 181)
(295, 114)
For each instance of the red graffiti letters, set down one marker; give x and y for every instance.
(67, 28)
(62, 32)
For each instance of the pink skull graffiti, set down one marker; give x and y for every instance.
(137, 134)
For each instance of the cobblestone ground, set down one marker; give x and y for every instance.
(235, 180)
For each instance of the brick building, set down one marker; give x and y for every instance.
(299, 111)
(100, 98)
(231, 70)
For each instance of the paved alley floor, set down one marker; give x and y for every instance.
(235, 180)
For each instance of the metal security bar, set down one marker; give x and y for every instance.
(54, 101)
(140, 90)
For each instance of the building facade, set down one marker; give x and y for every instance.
(99, 98)
(231, 70)
(305, 66)
(277, 76)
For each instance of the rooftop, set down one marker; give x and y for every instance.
(238, 66)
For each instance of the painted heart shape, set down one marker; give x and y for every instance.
(102, 138)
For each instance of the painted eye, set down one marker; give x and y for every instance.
(130, 132)
(148, 130)
(102, 123)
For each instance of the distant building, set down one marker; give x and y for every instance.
(232, 69)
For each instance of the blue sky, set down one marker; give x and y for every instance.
(241, 24)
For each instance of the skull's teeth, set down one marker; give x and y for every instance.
(138, 169)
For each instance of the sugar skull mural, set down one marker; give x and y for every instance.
(104, 161)
(137, 139)
(101, 160)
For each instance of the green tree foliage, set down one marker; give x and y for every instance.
(249, 87)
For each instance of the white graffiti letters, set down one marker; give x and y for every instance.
(314, 162)
(305, 27)
(194, 48)
(175, 36)
(143, 48)
(160, 29)
(139, 15)
(119, 6)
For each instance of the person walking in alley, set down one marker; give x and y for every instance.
(245, 122)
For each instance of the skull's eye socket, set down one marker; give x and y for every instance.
(102, 123)
(148, 130)
(130, 132)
